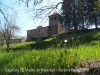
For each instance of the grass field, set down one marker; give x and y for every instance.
(34, 58)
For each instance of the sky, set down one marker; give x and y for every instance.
(24, 20)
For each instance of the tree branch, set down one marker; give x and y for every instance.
(6, 5)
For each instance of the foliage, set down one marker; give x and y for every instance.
(97, 5)
(80, 14)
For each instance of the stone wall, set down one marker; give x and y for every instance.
(14, 41)
(52, 30)
(41, 32)
(37, 33)
(60, 29)
(53, 19)
(44, 32)
(55, 27)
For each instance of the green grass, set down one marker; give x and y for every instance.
(50, 58)
(31, 56)
(88, 38)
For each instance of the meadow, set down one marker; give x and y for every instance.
(50, 56)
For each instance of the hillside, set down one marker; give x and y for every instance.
(86, 38)
(49, 57)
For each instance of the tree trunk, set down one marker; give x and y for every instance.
(82, 16)
(95, 21)
(74, 17)
(83, 22)
(8, 43)
(83, 26)
(2, 41)
(7, 46)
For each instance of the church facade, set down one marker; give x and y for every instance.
(55, 27)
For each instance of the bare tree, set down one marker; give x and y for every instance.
(40, 10)
(8, 28)
(8, 25)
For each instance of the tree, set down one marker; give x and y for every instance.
(40, 10)
(97, 11)
(97, 5)
(72, 14)
(8, 28)
(8, 25)
(90, 15)
(79, 14)
(67, 14)
(91, 12)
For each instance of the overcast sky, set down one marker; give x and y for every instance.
(23, 17)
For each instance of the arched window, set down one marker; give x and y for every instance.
(51, 18)
(55, 18)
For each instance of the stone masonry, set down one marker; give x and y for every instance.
(55, 27)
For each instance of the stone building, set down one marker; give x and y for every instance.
(55, 27)
(13, 41)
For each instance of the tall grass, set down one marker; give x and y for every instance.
(49, 58)
(29, 60)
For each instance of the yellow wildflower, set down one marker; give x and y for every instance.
(58, 45)
(32, 56)
(19, 60)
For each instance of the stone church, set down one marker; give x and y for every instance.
(55, 27)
